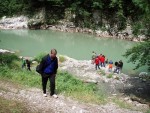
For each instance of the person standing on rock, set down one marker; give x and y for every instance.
(120, 65)
(116, 67)
(28, 64)
(93, 57)
(103, 61)
(23, 63)
(48, 69)
(99, 57)
(97, 63)
(110, 66)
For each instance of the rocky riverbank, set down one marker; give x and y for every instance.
(23, 22)
(129, 89)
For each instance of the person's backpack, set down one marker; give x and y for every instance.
(38, 69)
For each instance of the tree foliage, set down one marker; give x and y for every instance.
(140, 54)
(114, 13)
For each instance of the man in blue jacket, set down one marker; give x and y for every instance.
(48, 67)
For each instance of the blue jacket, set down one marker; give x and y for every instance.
(48, 66)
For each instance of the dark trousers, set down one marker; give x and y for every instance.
(97, 65)
(28, 68)
(102, 64)
(52, 83)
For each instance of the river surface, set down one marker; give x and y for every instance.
(75, 45)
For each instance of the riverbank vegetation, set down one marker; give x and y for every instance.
(140, 54)
(66, 84)
(110, 15)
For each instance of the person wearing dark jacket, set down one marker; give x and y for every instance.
(28, 64)
(120, 66)
(48, 70)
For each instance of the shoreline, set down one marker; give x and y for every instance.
(22, 22)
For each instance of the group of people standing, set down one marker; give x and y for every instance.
(101, 61)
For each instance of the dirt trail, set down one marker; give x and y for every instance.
(35, 102)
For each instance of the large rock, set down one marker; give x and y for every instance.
(19, 22)
(35, 23)
(5, 51)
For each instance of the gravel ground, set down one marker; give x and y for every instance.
(35, 101)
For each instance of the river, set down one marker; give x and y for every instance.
(75, 45)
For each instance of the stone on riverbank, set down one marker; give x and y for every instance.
(14, 22)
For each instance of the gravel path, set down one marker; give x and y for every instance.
(34, 100)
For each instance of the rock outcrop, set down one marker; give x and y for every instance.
(14, 22)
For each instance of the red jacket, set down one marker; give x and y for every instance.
(99, 57)
(96, 61)
(102, 59)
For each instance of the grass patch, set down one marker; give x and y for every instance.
(86, 92)
(23, 77)
(39, 57)
(110, 75)
(148, 111)
(10, 106)
(102, 72)
(62, 58)
(65, 84)
(121, 103)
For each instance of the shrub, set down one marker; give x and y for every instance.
(8, 58)
(62, 58)
(39, 57)
(110, 76)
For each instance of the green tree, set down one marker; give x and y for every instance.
(139, 54)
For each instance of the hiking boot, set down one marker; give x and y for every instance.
(55, 96)
(45, 95)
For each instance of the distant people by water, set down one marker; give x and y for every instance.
(28, 64)
(93, 56)
(116, 70)
(119, 66)
(106, 61)
(97, 63)
(23, 63)
(101, 61)
(99, 57)
(110, 66)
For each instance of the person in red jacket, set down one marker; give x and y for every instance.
(99, 57)
(103, 61)
(97, 63)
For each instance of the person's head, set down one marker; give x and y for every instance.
(120, 61)
(53, 53)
